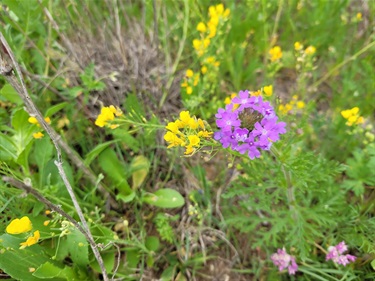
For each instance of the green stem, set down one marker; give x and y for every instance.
(333, 70)
(290, 188)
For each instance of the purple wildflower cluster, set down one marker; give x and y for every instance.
(283, 260)
(250, 127)
(335, 253)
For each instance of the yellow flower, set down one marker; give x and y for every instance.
(189, 150)
(31, 240)
(173, 127)
(184, 84)
(194, 140)
(300, 104)
(276, 53)
(298, 46)
(256, 93)
(189, 73)
(193, 124)
(172, 139)
(359, 16)
(310, 50)
(45, 223)
(33, 120)
(220, 9)
(352, 116)
(204, 69)
(201, 27)
(38, 135)
(189, 90)
(268, 90)
(197, 44)
(185, 117)
(107, 113)
(205, 134)
(18, 226)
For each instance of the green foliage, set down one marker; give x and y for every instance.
(313, 190)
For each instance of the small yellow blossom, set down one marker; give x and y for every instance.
(275, 53)
(62, 122)
(47, 212)
(172, 139)
(310, 50)
(34, 121)
(204, 69)
(194, 140)
(38, 135)
(189, 150)
(189, 73)
(189, 90)
(300, 104)
(173, 127)
(298, 46)
(107, 113)
(18, 226)
(45, 223)
(184, 84)
(201, 27)
(256, 93)
(359, 16)
(352, 116)
(31, 240)
(268, 90)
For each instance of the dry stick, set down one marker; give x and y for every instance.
(21, 89)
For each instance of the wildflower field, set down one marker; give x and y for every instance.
(187, 140)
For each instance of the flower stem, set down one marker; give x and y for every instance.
(290, 188)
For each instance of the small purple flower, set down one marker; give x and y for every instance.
(251, 127)
(283, 260)
(335, 253)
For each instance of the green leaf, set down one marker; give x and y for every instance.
(126, 198)
(152, 243)
(10, 256)
(10, 94)
(56, 108)
(8, 149)
(115, 170)
(165, 198)
(47, 270)
(139, 167)
(96, 151)
(43, 152)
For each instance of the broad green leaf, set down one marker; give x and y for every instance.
(54, 109)
(115, 170)
(10, 94)
(139, 167)
(48, 270)
(78, 248)
(152, 243)
(97, 150)
(11, 256)
(8, 149)
(43, 152)
(165, 198)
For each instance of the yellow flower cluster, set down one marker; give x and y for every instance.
(310, 50)
(275, 53)
(208, 30)
(187, 132)
(294, 103)
(352, 116)
(34, 121)
(22, 225)
(108, 113)
(191, 80)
